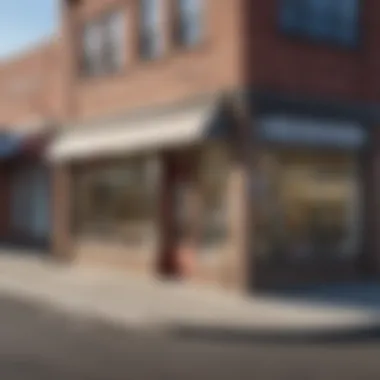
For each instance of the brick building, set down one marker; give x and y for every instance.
(29, 107)
(230, 141)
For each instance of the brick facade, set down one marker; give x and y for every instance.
(212, 66)
(243, 49)
(279, 62)
(30, 87)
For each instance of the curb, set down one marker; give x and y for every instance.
(283, 335)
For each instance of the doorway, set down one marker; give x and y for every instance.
(179, 214)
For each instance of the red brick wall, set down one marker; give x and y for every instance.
(243, 44)
(30, 86)
(280, 62)
(175, 76)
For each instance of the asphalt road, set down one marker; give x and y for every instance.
(39, 344)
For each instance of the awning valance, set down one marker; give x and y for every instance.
(133, 135)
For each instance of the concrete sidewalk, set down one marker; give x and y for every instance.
(133, 301)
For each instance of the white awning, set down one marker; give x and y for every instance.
(132, 135)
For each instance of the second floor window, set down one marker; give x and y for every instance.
(188, 29)
(151, 41)
(335, 21)
(103, 45)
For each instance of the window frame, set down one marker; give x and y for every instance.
(107, 39)
(178, 39)
(151, 26)
(306, 34)
(88, 176)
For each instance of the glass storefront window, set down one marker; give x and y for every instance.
(308, 207)
(214, 169)
(118, 200)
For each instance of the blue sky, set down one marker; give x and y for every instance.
(24, 23)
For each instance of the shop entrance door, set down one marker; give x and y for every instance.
(178, 256)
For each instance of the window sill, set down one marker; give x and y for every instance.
(322, 42)
(176, 53)
(178, 50)
(93, 78)
(172, 54)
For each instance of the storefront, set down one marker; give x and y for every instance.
(30, 203)
(148, 194)
(309, 200)
(25, 190)
(165, 194)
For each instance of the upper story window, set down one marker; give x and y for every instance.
(335, 21)
(188, 22)
(103, 45)
(151, 38)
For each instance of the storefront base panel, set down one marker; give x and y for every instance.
(114, 256)
(211, 268)
(25, 241)
(208, 272)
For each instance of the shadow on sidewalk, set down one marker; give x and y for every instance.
(20, 249)
(354, 335)
(355, 295)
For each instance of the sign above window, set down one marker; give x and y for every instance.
(311, 132)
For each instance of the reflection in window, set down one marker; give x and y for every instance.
(188, 22)
(336, 21)
(103, 44)
(151, 38)
(309, 209)
(214, 169)
(118, 200)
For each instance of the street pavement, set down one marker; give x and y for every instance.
(38, 342)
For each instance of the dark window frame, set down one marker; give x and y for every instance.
(306, 31)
